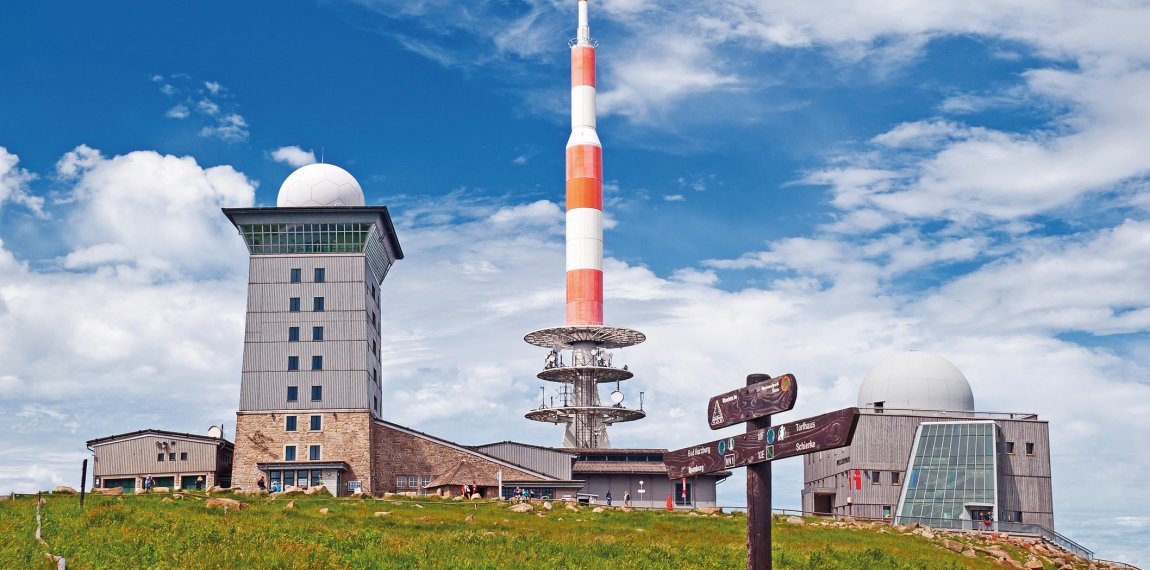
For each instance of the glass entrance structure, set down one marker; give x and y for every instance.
(952, 479)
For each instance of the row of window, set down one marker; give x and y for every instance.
(315, 423)
(317, 304)
(313, 452)
(412, 481)
(1008, 448)
(293, 393)
(316, 334)
(875, 477)
(293, 363)
(172, 456)
(319, 276)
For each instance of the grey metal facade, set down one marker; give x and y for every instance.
(883, 444)
(160, 453)
(545, 460)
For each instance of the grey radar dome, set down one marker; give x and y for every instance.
(917, 381)
(320, 185)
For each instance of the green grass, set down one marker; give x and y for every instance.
(147, 532)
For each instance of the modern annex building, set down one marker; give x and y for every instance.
(922, 453)
(174, 460)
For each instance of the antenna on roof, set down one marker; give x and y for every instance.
(321, 153)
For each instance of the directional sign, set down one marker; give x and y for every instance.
(761, 397)
(818, 433)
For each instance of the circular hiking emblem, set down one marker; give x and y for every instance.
(722, 447)
(771, 436)
(785, 383)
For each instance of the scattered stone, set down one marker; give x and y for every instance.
(597, 510)
(795, 520)
(711, 510)
(166, 500)
(509, 520)
(927, 534)
(290, 505)
(417, 505)
(626, 509)
(546, 505)
(225, 503)
(316, 489)
(640, 530)
(456, 498)
(292, 490)
(522, 508)
(952, 545)
(541, 515)
(469, 518)
(489, 533)
(110, 491)
(1033, 564)
(390, 495)
(64, 490)
(969, 553)
(382, 513)
(571, 507)
(693, 514)
(323, 511)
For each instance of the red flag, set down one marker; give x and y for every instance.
(670, 503)
(684, 488)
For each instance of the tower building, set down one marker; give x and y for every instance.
(578, 361)
(310, 390)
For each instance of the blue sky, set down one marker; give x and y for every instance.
(789, 188)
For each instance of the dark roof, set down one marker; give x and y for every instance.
(161, 433)
(608, 451)
(521, 444)
(465, 448)
(619, 467)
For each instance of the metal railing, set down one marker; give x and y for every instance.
(1002, 526)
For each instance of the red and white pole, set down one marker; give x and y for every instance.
(584, 188)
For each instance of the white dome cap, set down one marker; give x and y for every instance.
(918, 381)
(319, 185)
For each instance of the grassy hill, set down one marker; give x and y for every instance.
(160, 531)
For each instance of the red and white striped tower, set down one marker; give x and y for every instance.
(584, 334)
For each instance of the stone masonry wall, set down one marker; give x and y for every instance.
(400, 453)
(346, 436)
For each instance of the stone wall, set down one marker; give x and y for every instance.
(346, 437)
(402, 453)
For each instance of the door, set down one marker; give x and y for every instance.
(978, 516)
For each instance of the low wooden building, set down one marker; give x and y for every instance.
(174, 460)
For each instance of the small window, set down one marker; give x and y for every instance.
(1029, 448)
(1008, 447)
(290, 423)
(372, 290)
(317, 304)
(159, 457)
(375, 375)
(317, 334)
(426, 480)
(374, 322)
(874, 477)
(293, 363)
(375, 403)
(289, 453)
(401, 481)
(1013, 516)
(320, 274)
(293, 304)
(296, 275)
(313, 452)
(172, 456)
(317, 363)
(886, 511)
(293, 334)
(316, 423)
(293, 393)
(316, 393)
(896, 478)
(183, 456)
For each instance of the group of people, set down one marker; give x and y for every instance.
(626, 498)
(469, 491)
(522, 494)
(150, 483)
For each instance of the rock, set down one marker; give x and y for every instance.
(457, 498)
(927, 534)
(110, 491)
(541, 515)
(522, 508)
(952, 545)
(290, 505)
(63, 490)
(597, 510)
(1033, 564)
(177, 496)
(969, 553)
(795, 520)
(292, 490)
(166, 500)
(489, 533)
(417, 505)
(711, 510)
(161, 489)
(571, 507)
(546, 505)
(469, 518)
(323, 511)
(225, 503)
(382, 513)
(390, 495)
(626, 509)
(693, 514)
(640, 530)
(316, 489)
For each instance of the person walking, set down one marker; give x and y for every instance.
(608, 498)
(627, 498)
(200, 483)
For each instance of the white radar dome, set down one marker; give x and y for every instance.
(917, 381)
(319, 185)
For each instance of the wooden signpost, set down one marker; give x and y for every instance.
(759, 446)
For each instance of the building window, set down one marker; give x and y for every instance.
(316, 393)
(293, 394)
(313, 452)
(896, 478)
(886, 511)
(172, 456)
(289, 453)
(373, 320)
(426, 481)
(1012, 516)
(316, 423)
(293, 334)
(1008, 447)
(1029, 448)
(317, 304)
(293, 304)
(317, 334)
(290, 422)
(401, 481)
(683, 497)
(317, 363)
(293, 363)
(319, 275)
(375, 403)
(373, 290)
(159, 457)
(183, 456)
(874, 477)
(296, 275)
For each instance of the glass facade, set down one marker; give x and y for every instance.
(306, 238)
(952, 476)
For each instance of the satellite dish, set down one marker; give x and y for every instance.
(215, 432)
(616, 397)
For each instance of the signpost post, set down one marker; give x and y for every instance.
(759, 446)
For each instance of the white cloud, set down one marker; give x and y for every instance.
(673, 197)
(228, 128)
(293, 156)
(14, 184)
(213, 87)
(178, 112)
